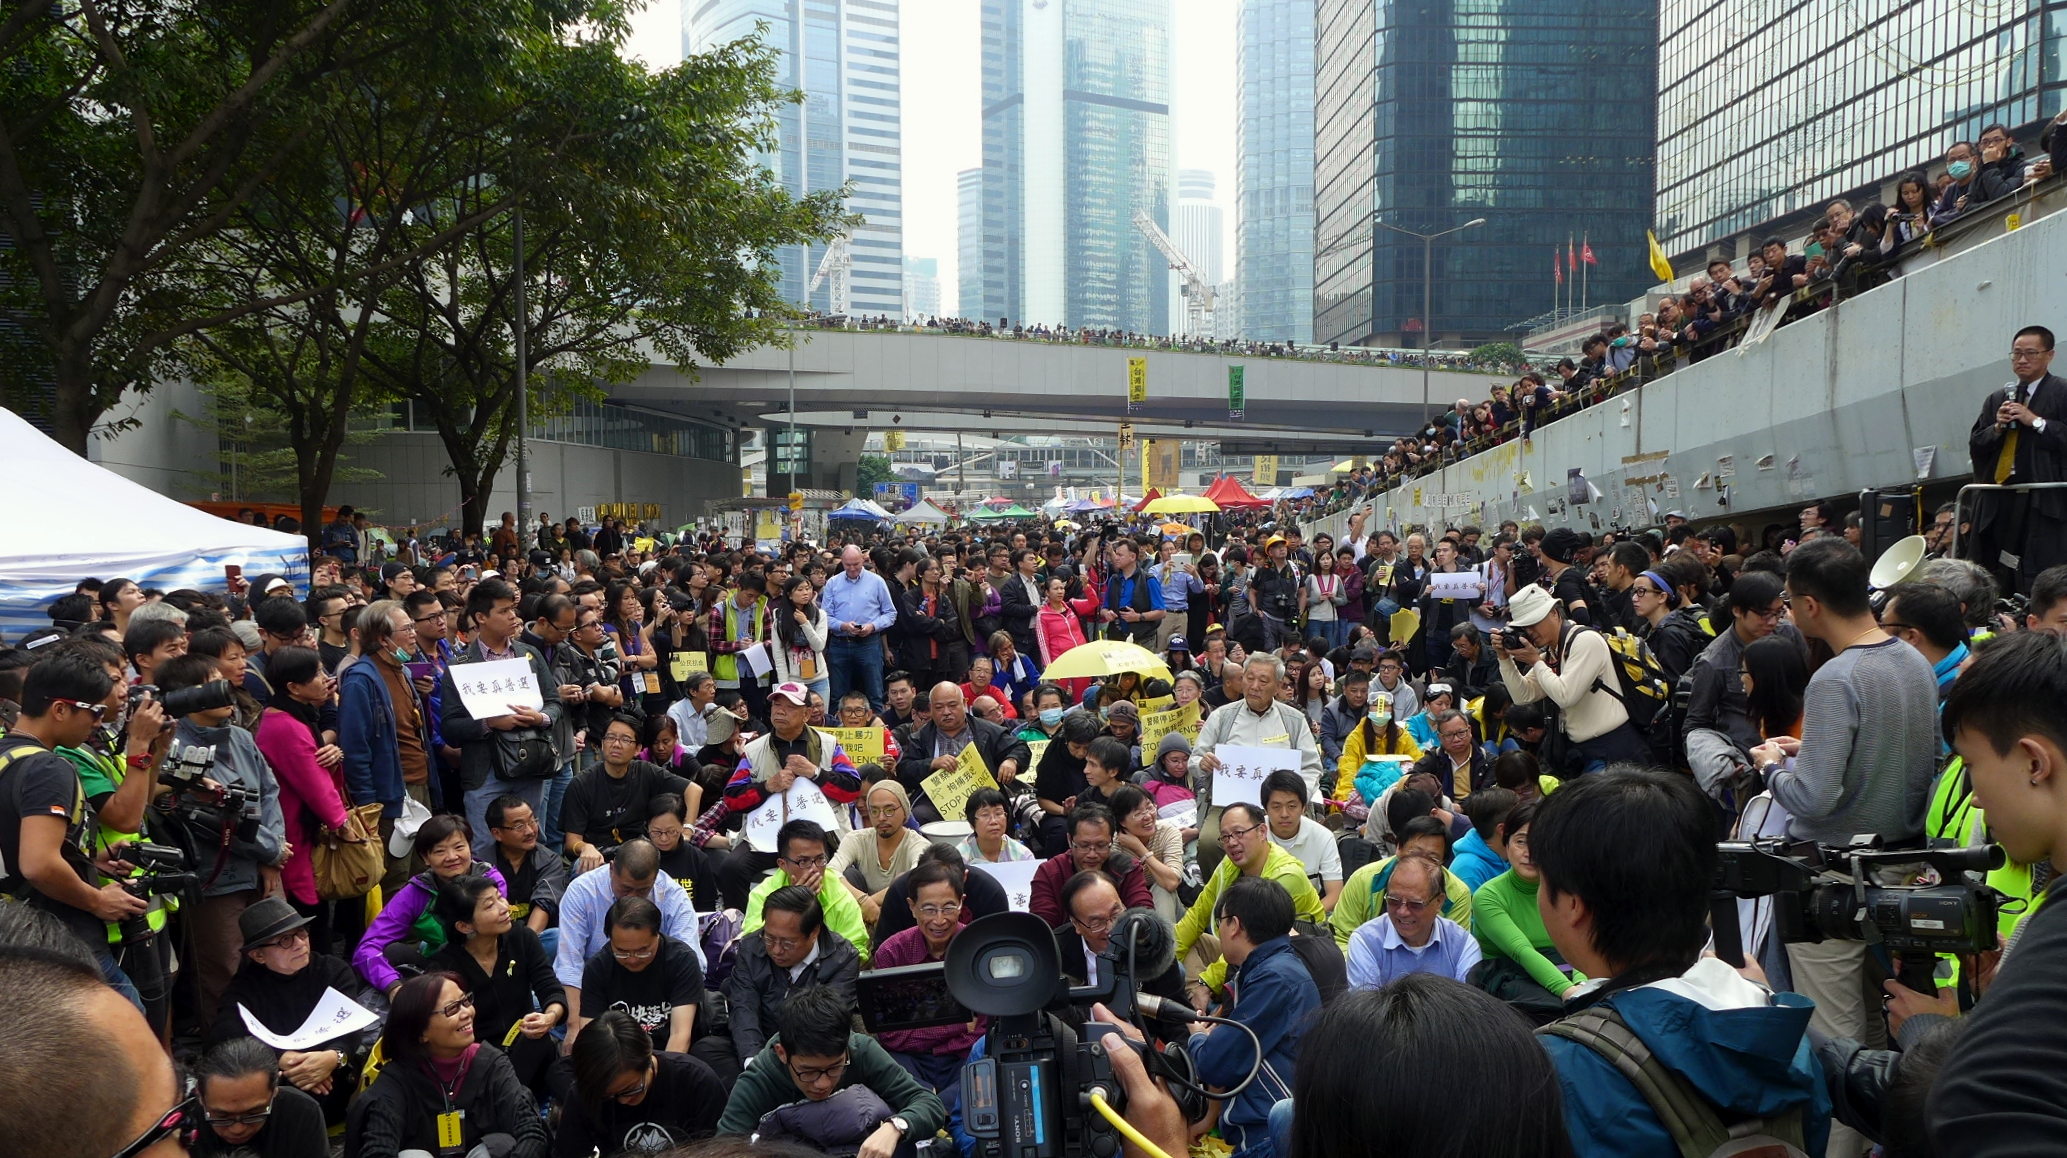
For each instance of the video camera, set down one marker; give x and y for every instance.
(218, 811)
(1029, 1096)
(161, 871)
(1824, 892)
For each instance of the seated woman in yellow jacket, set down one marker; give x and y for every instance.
(1377, 734)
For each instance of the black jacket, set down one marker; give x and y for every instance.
(913, 635)
(1995, 1095)
(281, 1003)
(523, 973)
(1169, 985)
(993, 743)
(2040, 457)
(1019, 610)
(473, 738)
(399, 1111)
(985, 896)
(757, 987)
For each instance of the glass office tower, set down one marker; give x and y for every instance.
(1764, 110)
(843, 55)
(1537, 115)
(1076, 139)
(1273, 242)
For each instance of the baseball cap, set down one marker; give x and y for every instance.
(1178, 643)
(388, 571)
(1529, 606)
(794, 692)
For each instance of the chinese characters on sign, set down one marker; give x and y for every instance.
(803, 801)
(490, 689)
(862, 745)
(950, 788)
(1239, 779)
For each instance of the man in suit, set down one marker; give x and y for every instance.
(2021, 437)
(1093, 904)
(937, 746)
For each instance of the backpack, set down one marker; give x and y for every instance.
(1642, 688)
(1695, 1125)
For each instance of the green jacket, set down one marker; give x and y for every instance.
(1359, 902)
(1280, 866)
(842, 911)
(766, 1084)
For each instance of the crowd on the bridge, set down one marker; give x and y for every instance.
(580, 840)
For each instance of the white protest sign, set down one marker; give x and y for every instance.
(1456, 585)
(758, 660)
(334, 1016)
(803, 801)
(1242, 771)
(1016, 876)
(489, 689)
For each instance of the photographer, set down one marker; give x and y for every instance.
(234, 829)
(46, 825)
(2003, 1090)
(1627, 858)
(1577, 674)
(1275, 997)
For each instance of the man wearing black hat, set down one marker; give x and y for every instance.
(1565, 581)
(398, 579)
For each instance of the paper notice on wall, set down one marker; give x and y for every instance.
(1925, 457)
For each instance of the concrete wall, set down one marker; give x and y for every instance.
(1830, 405)
(176, 459)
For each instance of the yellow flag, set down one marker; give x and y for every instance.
(1659, 265)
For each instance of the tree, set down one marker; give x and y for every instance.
(1499, 354)
(662, 239)
(872, 469)
(260, 461)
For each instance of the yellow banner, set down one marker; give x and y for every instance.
(1156, 704)
(1137, 380)
(1156, 725)
(863, 745)
(950, 788)
(1265, 472)
(1033, 761)
(682, 663)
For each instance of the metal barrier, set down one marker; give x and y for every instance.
(1959, 510)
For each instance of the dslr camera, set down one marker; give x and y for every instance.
(1030, 1095)
(161, 871)
(185, 701)
(213, 811)
(1826, 893)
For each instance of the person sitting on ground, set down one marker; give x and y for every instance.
(1291, 829)
(870, 858)
(1094, 909)
(802, 860)
(657, 977)
(1509, 926)
(667, 826)
(1411, 935)
(630, 1098)
(608, 804)
(585, 910)
(249, 1111)
(986, 895)
(435, 1067)
(537, 875)
(281, 981)
(1245, 841)
(517, 1000)
(401, 935)
(1090, 849)
(1363, 893)
(933, 1055)
(841, 1075)
(791, 951)
(990, 820)
(1273, 994)
(1482, 854)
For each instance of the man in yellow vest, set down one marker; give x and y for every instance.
(739, 623)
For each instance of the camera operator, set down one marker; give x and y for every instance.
(46, 824)
(1627, 859)
(2003, 1090)
(1543, 656)
(1275, 997)
(231, 848)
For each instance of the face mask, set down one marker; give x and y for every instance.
(1051, 716)
(1105, 713)
(1380, 715)
(1960, 169)
(402, 656)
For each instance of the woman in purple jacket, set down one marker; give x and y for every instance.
(406, 932)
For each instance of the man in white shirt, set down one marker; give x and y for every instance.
(691, 713)
(1291, 829)
(1571, 666)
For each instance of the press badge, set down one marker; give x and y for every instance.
(450, 1134)
(1267, 741)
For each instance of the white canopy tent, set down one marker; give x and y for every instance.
(924, 512)
(67, 519)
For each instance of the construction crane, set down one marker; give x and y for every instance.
(837, 264)
(1198, 293)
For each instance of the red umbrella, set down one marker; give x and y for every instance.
(1146, 499)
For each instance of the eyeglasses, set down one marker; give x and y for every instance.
(631, 954)
(515, 826)
(1092, 924)
(780, 944)
(254, 1118)
(884, 811)
(1772, 612)
(452, 1009)
(638, 1090)
(2021, 355)
(663, 833)
(1404, 905)
(431, 618)
(286, 939)
(806, 862)
(935, 912)
(811, 1075)
(183, 1121)
(1893, 628)
(94, 710)
(1095, 846)
(1237, 833)
(1644, 589)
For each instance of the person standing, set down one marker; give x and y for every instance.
(491, 610)
(857, 608)
(2021, 437)
(739, 623)
(1133, 605)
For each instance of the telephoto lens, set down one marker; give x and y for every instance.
(187, 701)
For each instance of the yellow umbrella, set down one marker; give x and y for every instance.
(1181, 505)
(1174, 529)
(1104, 657)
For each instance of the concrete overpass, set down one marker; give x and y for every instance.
(858, 380)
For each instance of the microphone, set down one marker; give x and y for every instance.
(1152, 941)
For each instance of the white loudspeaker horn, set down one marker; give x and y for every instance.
(1897, 563)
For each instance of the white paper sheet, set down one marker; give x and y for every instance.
(489, 689)
(1457, 585)
(334, 1016)
(1242, 771)
(1017, 878)
(803, 801)
(758, 660)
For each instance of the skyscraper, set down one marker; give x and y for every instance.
(921, 288)
(843, 55)
(1859, 101)
(1273, 200)
(1076, 139)
(969, 243)
(1196, 229)
(1537, 117)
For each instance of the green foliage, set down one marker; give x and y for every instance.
(1498, 354)
(258, 460)
(872, 469)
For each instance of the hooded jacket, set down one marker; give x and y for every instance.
(1475, 862)
(239, 764)
(1746, 1050)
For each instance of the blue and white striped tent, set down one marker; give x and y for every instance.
(63, 519)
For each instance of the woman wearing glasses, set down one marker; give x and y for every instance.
(934, 1055)
(642, 970)
(629, 1099)
(281, 981)
(440, 1082)
(517, 1000)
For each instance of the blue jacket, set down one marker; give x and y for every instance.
(1276, 997)
(1751, 1056)
(1475, 862)
(366, 731)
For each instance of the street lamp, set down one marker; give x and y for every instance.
(1427, 323)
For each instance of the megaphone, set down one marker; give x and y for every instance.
(1897, 563)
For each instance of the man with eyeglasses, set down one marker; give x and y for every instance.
(791, 951)
(609, 803)
(1091, 850)
(1245, 839)
(2021, 437)
(802, 861)
(1094, 906)
(633, 872)
(433, 647)
(326, 611)
(248, 1111)
(1412, 936)
(870, 858)
(1717, 702)
(575, 648)
(537, 877)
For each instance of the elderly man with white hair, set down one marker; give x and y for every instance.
(1258, 720)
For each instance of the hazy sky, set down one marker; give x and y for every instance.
(942, 127)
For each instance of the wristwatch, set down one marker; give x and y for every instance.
(902, 1127)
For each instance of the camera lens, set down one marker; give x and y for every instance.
(187, 701)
